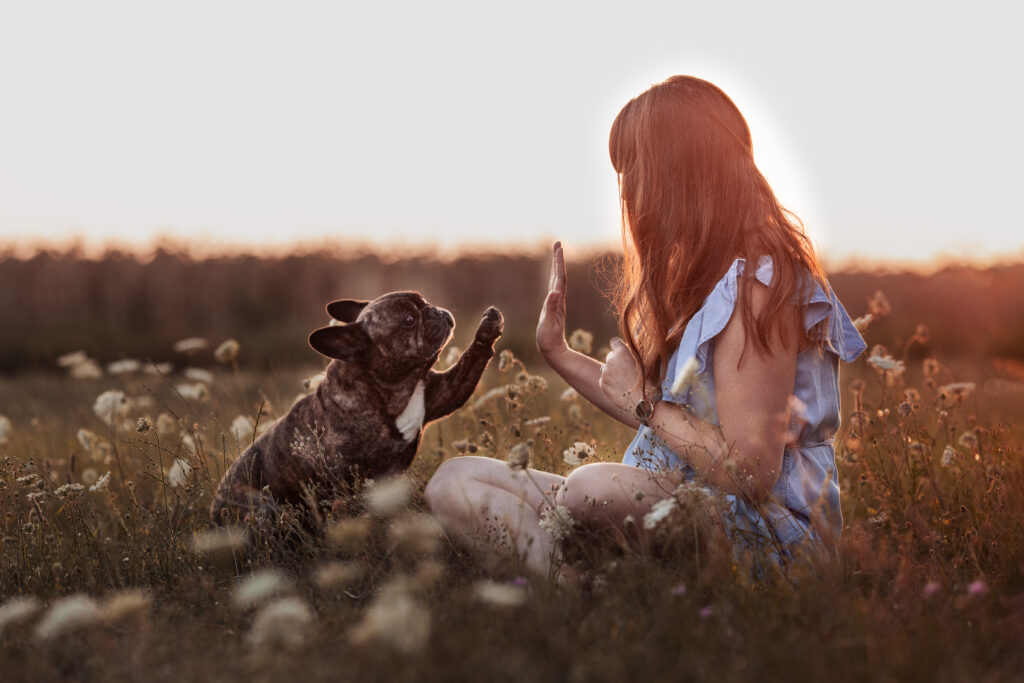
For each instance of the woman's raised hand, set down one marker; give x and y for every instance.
(551, 326)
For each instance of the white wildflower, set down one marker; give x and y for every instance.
(69, 491)
(89, 476)
(505, 360)
(661, 509)
(887, 363)
(582, 341)
(242, 428)
(68, 614)
(569, 394)
(200, 375)
(190, 344)
(17, 609)
(227, 351)
(125, 366)
(225, 539)
(337, 577)
(101, 484)
(159, 368)
(165, 424)
(349, 534)
(70, 360)
(193, 392)
(188, 442)
(862, 322)
(537, 421)
(389, 496)
(177, 475)
(536, 384)
(557, 521)
(519, 457)
(282, 623)
(416, 535)
(499, 594)
(396, 619)
(948, 456)
(126, 604)
(110, 406)
(950, 393)
(259, 587)
(579, 452)
(685, 376)
(5, 429)
(90, 369)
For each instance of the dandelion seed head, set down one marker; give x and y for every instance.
(68, 614)
(519, 457)
(143, 425)
(500, 595)
(260, 586)
(227, 351)
(948, 456)
(177, 475)
(557, 521)
(110, 406)
(969, 440)
(166, 424)
(195, 393)
(200, 375)
(125, 366)
(242, 429)
(190, 345)
(578, 453)
(582, 341)
(89, 476)
(389, 496)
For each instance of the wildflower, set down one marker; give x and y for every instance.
(505, 360)
(660, 510)
(679, 589)
(416, 536)
(28, 479)
(242, 428)
(948, 456)
(904, 409)
(502, 595)
(143, 425)
(537, 421)
(125, 366)
(557, 521)
(396, 619)
(89, 476)
(452, 355)
(69, 491)
(536, 384)
(86, 371)
(188, 442)
(957, 391)
(862, 322)
(35, 496)
(879, 304)
(226, 539)
(857, 387)
(101, 484)
(930, 589)
(159, 368)
(519, 457)
(190, 344)
(887, 364)
(177, 475)
(17, 609)
(913, 397)
(126, 604)
(199, 375)
(685, 377)
(70, 360)
(389, 496)
(577, 453)
(67, 614)
(569, 394)
(922, 334)
(931, 367)
(110, 405)
(193, 392)
(165, 424)
(879, 519)
(348, 534)
(5, 429)
(313, 382)
(337, 577)
(259, 587)
(283, 623)
(575, 413)
(582, 341)
(977, 588)
(706, 612)
(227, 351)
(969, 440)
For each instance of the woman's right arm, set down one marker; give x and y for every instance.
(581, 372)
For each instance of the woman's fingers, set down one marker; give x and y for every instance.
(558, 268)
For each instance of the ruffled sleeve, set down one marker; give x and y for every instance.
(688, 368)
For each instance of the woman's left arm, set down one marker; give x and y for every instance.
(752, 389)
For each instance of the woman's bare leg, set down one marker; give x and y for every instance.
(486, 505)
(601, 496)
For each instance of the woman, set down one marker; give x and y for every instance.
(729, 365)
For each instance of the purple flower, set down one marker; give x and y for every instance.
(706, 612)
(679, 589)
(977, 587)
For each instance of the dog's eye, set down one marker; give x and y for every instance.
(410, 320)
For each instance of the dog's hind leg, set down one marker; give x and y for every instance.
(237, 500)
(449, 390)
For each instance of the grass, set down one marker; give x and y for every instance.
(930, 585)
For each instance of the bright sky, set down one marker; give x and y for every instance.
(892, 128)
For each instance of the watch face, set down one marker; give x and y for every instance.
(644, 410)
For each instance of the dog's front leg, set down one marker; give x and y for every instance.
(449, 390)
(237, 501)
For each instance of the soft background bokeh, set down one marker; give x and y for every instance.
(891, 128)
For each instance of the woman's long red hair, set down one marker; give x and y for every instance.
(693, 201)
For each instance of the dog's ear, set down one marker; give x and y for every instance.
(346, 310)
(342, 342)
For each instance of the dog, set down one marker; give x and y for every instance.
(366, 417)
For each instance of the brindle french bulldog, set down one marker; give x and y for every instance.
(366, 417)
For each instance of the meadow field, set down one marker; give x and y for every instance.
(108, 460)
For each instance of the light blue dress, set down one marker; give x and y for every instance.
(804, 505)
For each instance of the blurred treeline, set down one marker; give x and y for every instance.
(122, 305)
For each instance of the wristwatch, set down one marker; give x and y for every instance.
(645, 407)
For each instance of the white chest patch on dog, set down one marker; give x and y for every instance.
(411, 419)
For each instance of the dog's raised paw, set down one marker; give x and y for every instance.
(491, 325)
